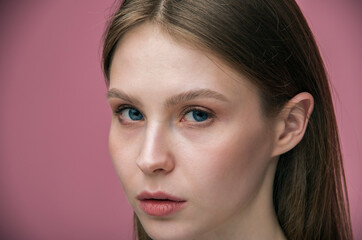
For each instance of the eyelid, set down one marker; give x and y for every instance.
(188, 109)
(121, 107)
(197, 108)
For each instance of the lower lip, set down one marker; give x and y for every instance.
(160, 208)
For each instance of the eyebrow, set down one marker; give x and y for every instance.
(115, 93)
(174, 100)
(193, 94)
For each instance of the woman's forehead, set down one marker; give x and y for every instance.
(148, 53)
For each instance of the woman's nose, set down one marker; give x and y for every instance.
(156, 156)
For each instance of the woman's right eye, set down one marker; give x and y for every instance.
(129, 114)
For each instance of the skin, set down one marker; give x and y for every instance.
(223, 166)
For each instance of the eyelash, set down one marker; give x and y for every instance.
(120, 109)
(187, 110)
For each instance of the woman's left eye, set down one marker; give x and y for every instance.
(197, 116)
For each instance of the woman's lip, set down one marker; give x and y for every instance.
(158, 196)
(159, 204)
(161, 208)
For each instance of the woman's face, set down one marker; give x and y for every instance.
(188, 139)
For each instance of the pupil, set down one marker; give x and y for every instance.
(135, 115)
(200, 116)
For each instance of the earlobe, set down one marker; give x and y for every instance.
(292, 122)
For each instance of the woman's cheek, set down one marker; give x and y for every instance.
(230, 164)
(123, 151)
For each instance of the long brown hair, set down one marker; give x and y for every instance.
(270, 42)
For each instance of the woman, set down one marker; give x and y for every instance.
(223, 123)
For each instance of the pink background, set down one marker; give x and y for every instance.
(56, 177)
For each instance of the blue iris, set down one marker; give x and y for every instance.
(134, 114)
(200, 116)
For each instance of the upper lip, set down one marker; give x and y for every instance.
(158, 196)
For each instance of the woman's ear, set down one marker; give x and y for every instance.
(291, 122)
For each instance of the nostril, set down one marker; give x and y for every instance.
(158, 170)
(155, 159)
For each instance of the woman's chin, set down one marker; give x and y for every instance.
(162, 229)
